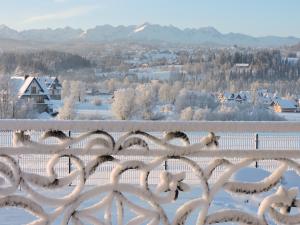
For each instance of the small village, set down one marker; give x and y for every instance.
(45, 94)
(264, 97)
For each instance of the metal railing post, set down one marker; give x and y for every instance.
(256, 148)
(69, 161)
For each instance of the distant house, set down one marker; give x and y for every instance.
(291, 60)
(242, 67)
(246, 96)
(266, 97)
(38, 90)
(238, 98)
(284, 105)
(227, 97)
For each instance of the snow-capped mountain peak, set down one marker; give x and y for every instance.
(6, 32)
(146, 33)
(83, 34)
(2, 27)
(141, 27)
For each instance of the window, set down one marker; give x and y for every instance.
(40, 99)
(33, 90)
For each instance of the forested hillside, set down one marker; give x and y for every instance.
(47, 62)
(263, 65)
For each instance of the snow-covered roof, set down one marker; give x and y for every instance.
(44, 87)
(46, 81)
(291, 60)
(262, 91)
(285, 103)
(25, 86)
(242, 65)
(245, 95)
(20, 85)
(16, 83)
(228, 95)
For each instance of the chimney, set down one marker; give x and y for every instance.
(26, 76)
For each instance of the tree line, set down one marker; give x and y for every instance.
(46, 62)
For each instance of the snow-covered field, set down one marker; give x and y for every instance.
(290, 116)
(87, 110)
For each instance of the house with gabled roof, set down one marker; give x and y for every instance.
(284, 105)
(227, 97)
(33, 89)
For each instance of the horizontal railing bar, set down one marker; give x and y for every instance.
(150, 126)
(233, 153)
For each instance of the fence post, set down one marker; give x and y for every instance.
(166, 165)
(69, 162)
(256, 148)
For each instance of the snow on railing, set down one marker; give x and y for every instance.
(143, 172)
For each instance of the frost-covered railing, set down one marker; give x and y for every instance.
(111, 172)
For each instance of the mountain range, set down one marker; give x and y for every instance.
(147, 33)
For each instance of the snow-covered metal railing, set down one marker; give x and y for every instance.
(153, 191)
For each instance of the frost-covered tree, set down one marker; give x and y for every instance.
(78, 90)
(10, 105)
(242, 112)
(67, 111)
(175, 90)
(82, 91)
(145, 100)
(65, 92)
(111, 85)
(187, 114)
(167, 93)
(123, 106)
(5, 97)
(195, 99)
(201, 114)
(24, 109)
(155, 86)
(164, 93)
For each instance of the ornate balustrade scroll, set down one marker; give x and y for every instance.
(117, 202)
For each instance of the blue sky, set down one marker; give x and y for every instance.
(255, 17)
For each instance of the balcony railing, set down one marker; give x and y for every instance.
(112, 172)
